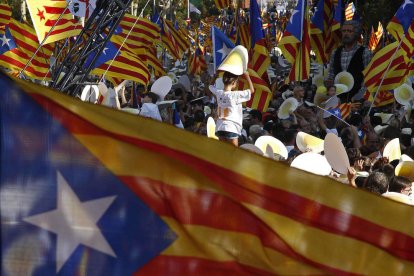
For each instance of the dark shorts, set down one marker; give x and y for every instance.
(226, 134)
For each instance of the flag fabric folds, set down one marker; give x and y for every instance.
(221, 46)
(5, 15)
(156, 205)
(222, 4)
(349, 11)
(334, 34)
(25, 39)
(143, 33)
(320, 28)
(402, 19)
(295, 43)
(375, 37)
(262, 96)
(45, 15)
(259, 55)
(390, 57)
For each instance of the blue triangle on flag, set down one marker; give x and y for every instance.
(7, 42)
(29, 188)
(222, 45)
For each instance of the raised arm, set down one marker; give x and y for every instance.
(247, 76)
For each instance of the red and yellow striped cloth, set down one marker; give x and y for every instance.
(235, 212)
(45, 16)
(27, 43)
(5, 15)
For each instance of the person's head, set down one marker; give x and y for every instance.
(150, 97)
(377, 183)
(331, 91)
(351, 31)
(298, 92)
(372, 142)
(400, 184)
(230, 80)
(354, 154)
(255, 116)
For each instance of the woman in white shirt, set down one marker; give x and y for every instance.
(229, 107)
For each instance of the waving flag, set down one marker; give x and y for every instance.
(349, 11)
(221, 45)
(7, 42)
(391, 57)
(407, 44)
(25, 39)
(5, 15)
(143, 33)
(402, 19)
(334, 34)
(295, 43)
(109, 52)
(45, 15)
(262, 96)
(147, 199)
(375, 37)
(320, 27)
(259, 55)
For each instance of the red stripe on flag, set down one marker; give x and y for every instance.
(168, 265)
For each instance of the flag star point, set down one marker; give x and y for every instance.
(83, 218)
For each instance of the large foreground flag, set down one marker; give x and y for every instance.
(86, 190)
(45, 16)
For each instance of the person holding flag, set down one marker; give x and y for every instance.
(350, 57)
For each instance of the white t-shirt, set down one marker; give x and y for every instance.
(230, 112)
(150, 110)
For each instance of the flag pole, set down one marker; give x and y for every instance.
(44, 39)
(384, 75)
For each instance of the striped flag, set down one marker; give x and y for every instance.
(169, 41)
(243, 35)
(320, 26)
(345, 109)
(123, 181)
(407, 44)
(143, 33)
(259, 55)
(5, 15)
(397, 72)
(222, 4)
(375, 37)
(349, 11)
(125, 66)
(402, 19)
(45, 15)
(384, 98)
(26, 41)
(295, 43)
(334, 35)
(261, 98)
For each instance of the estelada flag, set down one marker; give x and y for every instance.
(45, 16)
(88, 190)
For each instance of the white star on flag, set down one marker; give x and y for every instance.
(74, 223)
(336, 112)
(104, 50)
(407, 2)
(224, 51)
(5, 40)
(293, 14)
